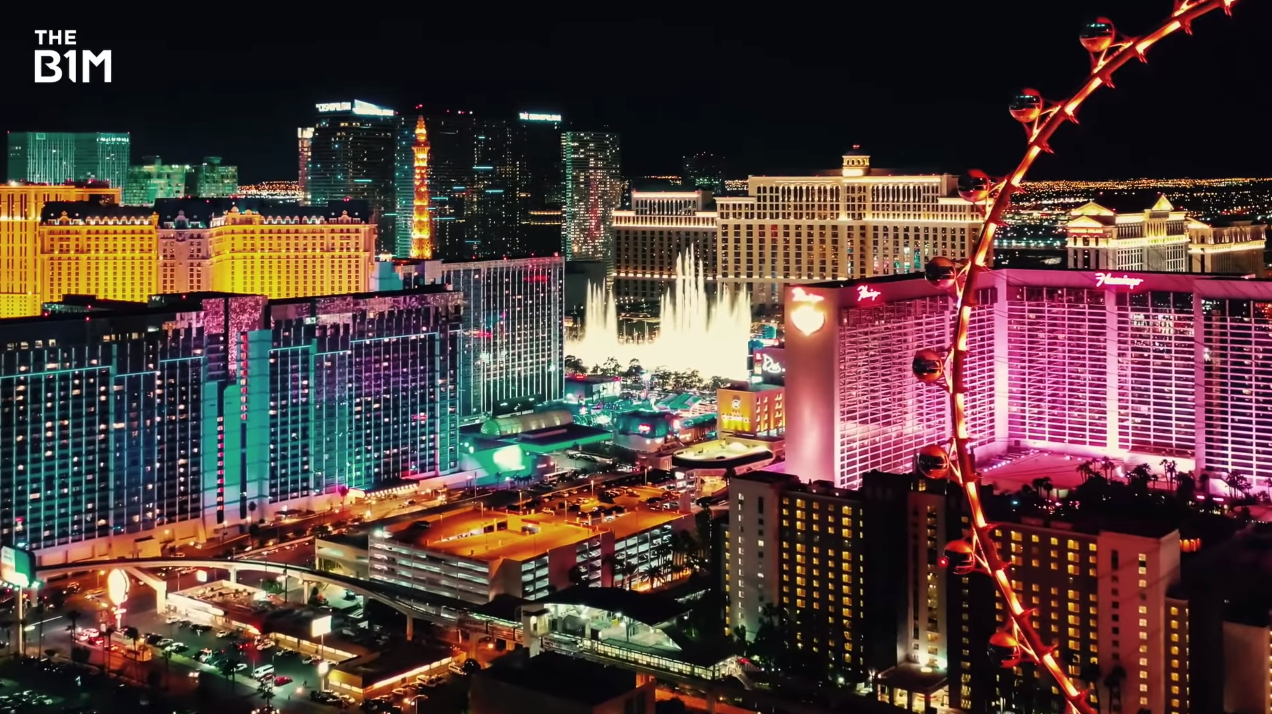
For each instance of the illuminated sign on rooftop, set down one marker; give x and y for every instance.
(528, 116)
(865, 292)
(1109, 280)
(357, 106)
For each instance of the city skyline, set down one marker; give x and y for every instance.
(933, 121)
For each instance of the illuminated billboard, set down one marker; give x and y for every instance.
(530, 116)
(357, 106)
(17, 567)
(770, 365)
(320, 626)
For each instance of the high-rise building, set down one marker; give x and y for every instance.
(858, 223)
(593, 188)
(153, 180)
(105, 428)
(541, 175)
(1103, 588)
(95, 248)
(58, 157)
(21, 282)
(472, 182)
(650, 238)
(1143, 365)
(214, 180)
(514, 331)
(186, 416)
(352, 156)
(304, 145)
(115, 252)
(421, 245)
(705, 172)
(363, 390)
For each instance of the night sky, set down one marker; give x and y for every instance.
(922, 85)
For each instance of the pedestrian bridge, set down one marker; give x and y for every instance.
(410, 602)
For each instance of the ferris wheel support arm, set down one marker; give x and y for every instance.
(964, 469)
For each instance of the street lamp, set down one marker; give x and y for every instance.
(323, 668)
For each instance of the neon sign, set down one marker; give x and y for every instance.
(864, 292)
(1110, 280)
(771, 366)
(807, 318)
(529, 116)
(357, 106)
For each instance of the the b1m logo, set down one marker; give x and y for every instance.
(75, 65)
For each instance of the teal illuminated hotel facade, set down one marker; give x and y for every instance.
(123, 424)
(58, 157)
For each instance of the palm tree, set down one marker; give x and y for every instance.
(1171, 469)
(1107, 466)
(1043, 485)
(73, 616)
(1237, 483)
(1204, 482)
(620, 570)
(108, 636)
(1186, 487)
(1086, 470)
(1113, 683)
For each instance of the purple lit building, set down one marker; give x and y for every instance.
(1134, 366)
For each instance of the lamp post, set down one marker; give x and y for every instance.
(323, 668)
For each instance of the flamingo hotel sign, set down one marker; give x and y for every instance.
(1109, 280)
(864, 292)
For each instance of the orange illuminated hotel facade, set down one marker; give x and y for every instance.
(1133, 366)
(64, 240)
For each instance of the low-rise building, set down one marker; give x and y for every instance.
(477, 554)
(558, 683)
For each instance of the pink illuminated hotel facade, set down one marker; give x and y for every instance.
(1134, 366)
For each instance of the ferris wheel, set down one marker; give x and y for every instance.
(1016, 641)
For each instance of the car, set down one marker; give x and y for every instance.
(152, 638)
(239, 666)
(263, 645)
(222, 634)
(313, 659)
(177, 647)
(194, 674)
(400, 692)
(200, 629)
(280, 680)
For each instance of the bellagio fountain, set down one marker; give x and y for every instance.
(695, 331)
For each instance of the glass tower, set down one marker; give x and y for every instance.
(514, 339)
(214, 180)
(153, 180)
(593, 188)
(352, 155)
(540, 175)
(58, 157)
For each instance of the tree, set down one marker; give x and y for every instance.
(266, 691)
(1107, 467)
(1113, 683)
(1186, 488)
(1043, 485)
(1237, 484)
(1170, 469)
(228, 666)
(1086, 470)
(574, 365)
(108, 636)
(620, 570)
(73, 617)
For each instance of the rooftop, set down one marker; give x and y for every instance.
(561, 677)
(463, 532)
